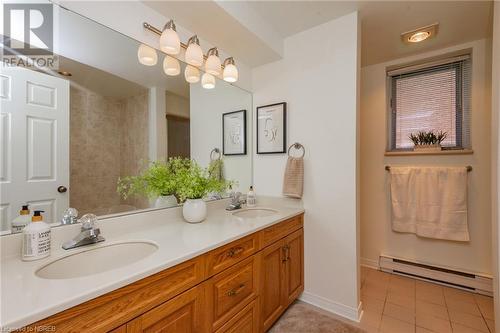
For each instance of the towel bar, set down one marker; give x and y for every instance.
(469, 168)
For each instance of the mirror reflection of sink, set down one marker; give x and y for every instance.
(97, 260)
(250, 213)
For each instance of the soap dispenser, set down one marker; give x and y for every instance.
(36, 238)
(22, 220)
(251, 198)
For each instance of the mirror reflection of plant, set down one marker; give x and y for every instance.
(196, 182)
(156, 180)
(428, 138)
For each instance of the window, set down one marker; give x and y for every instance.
(431, 97)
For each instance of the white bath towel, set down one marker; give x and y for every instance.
(430, 202)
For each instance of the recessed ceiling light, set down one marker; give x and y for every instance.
(420, 34)
(65, 73)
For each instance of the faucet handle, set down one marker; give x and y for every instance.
(89, 221)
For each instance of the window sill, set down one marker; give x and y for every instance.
(442, 152)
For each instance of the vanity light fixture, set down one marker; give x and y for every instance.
(208, 81)
(171, 66)
(213, 65)
(192, 74)
(230, 73)
(420, 34)
(147, 55)
(64, 73)
(194, 53)
(169, 40)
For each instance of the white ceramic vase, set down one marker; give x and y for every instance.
(194, 210)
(166, 201)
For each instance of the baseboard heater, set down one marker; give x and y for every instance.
(480, 284)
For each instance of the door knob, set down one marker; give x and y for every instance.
(62, 189)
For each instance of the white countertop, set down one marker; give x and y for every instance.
(26, 298)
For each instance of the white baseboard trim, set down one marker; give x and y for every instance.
(369, 263)
(342, 310)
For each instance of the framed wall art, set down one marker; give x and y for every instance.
(234, 133)
(271, 129)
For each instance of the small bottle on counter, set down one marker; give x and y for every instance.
(251, 198)
(36, 238)
(21, 221)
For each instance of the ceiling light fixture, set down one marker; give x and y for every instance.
(169, 40)
(147, 55)
(208, 81)
(171, 66)
(213, 65)
(230, 73)
(192, 74)
(420, 34)
(194, 53)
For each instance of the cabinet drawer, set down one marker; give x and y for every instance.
(246, 321)
(280, 230)
(232, 253)
(231, 290)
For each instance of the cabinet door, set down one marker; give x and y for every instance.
(272, 282)
(294, 266)
(121, 329)
(182, 314)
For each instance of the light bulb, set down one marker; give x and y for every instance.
(171, 66)
(169, 40)
(212, 65)
(230, 73)
(192, 74)
(208, 81)
(194, 54)
(147, 55)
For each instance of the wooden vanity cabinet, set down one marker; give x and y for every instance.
(241, 287)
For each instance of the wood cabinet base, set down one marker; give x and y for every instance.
(242, 287)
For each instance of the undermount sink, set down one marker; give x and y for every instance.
(255, 212)
(97, 260)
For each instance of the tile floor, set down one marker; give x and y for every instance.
(396, 304)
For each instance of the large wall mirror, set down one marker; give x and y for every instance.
(69, 135)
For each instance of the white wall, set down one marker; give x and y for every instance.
(321, 92)
(495, 157)
(376, 234)
(206, 109)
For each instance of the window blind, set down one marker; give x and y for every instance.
(433, 98)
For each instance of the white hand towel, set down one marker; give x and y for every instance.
(430, 202)
(293, 180)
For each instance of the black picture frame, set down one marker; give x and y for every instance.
(281, 149)
(224, 116)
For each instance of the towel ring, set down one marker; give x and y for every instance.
(215, 151)
(297, 146)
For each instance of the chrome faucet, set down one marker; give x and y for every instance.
(70, 216)
(235, 201)
(89, 234)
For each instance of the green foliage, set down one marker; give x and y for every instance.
(195, 183)
(428, 138)
(181, 177)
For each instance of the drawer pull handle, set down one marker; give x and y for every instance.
(234, 251)
(234, 292)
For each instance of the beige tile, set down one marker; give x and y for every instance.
(486, 308)
(391, 325)
(402, 281)
(457, 328)
(432, 309)
(462, 306)
(373, 304)
(400, 290)
(406, 302)
(431, 297)
(374, 292)
(458, 295)
(468, 320)
(401, 313)
(491, 325)
(370, 319)
(427, 287)
(434, 324)
(423, 330)
(378, 275)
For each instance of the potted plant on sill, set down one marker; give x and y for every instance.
(157, 182)
(427, 141)
(194, 183)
